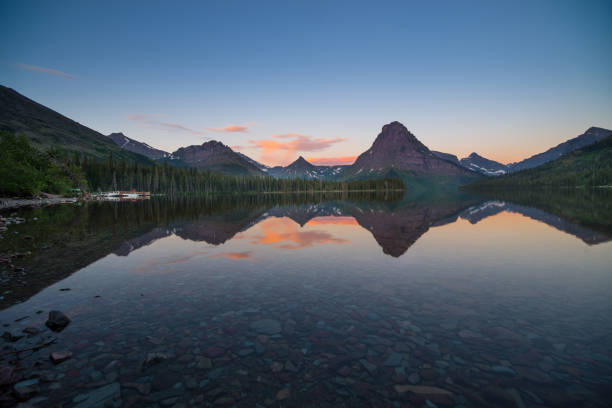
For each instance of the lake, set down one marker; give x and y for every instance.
(332, 301)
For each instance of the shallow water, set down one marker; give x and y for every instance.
(315, 303)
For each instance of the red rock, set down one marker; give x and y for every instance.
(59, 356)
(7, 375)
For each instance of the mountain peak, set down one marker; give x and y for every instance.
(300, 163)
(212, 144)
(397, 148)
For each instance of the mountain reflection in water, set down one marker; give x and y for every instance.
(316, 301)
(66, 238)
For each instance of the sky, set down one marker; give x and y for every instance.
(276, 80)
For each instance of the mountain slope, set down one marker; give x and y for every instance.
(215, 156)
(46, 128)
(588, 166)
(483, 165)
(398, 153)
(447, 156)
(135, 146)
(592, 135)
(257, 164)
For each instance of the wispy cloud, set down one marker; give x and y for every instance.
(152, 121)
(45, 70)
(231, 129)
(275, 150)
(332, 161)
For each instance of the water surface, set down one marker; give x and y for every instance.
(317, 302)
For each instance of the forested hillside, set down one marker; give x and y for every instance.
(26, 171)
(590, 166)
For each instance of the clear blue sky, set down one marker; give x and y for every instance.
(506, 79)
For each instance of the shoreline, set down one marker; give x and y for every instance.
(11, 202)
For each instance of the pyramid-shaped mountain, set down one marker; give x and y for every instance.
(303, 169)
(397, 151)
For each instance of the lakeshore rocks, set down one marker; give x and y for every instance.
(57, 321)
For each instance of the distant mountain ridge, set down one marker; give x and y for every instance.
(137, 147)
(396, 152)
(483, 165)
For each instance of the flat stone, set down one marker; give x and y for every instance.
(59, 356)
(266, 326)
(434, 394)
(500, 369)
(394, 360)
(99, 397)
(32, 331)
(283, 394)
(204, 363)
(368, 366)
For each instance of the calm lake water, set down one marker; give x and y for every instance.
(302, 301)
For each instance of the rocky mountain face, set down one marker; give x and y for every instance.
(137, 147)
(46, 128)
(215, 156)
(447, 156)
(483, 165)
(301, 168)
(592, 135)
(398, 149)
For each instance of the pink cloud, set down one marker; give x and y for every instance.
(271, 149)
(45, 70)
(231, 129)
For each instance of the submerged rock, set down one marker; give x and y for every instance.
(152, 359)
(99, 397)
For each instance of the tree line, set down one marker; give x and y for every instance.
(26, 171)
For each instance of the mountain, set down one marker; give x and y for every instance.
(588, 166)
(215, 156)
(484, 166)
(255, 163)
(592, 135)
(447, 156)
(303, 169)
(46, 129)
(137, 147)
(398, 153)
